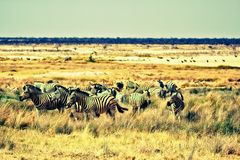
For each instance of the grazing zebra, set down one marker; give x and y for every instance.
(161, 83)
(45, 101)
(176, 103)
(97, 88)
(138, 101)
(162, 93)
(95, 105)
(120, 86)
(170, 87)
(50, 86)
(132, 85)
(144, 87)
(110, 91)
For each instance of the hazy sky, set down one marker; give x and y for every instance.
(120, 18)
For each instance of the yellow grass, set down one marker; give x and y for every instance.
(151, 135)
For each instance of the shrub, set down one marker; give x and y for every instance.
(192, 116)
(65, 129)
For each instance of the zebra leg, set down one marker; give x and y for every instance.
(37, 112)
(59, 109)
(95, 114)
(40, 111)
(139, 110)
(62, 109)
(85, 115)
(134, 110)
(111, 113)
(173, 112)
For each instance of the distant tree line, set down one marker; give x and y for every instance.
(172, 41)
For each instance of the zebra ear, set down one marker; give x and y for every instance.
(78, 90)
(26, 88)
(38, 89)
(168, 103)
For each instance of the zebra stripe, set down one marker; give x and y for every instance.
(132, 85)
(144, 87)
(46, 88)
(171, 87)
(95, 104)
(176, 103)
(139, 101)
(45, 101)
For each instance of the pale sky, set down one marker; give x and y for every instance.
(120, 18)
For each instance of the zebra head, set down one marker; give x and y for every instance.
(71, 99)
(148, 96)
(28, 91)
(161, 83)
(169, 103)
(120, 85)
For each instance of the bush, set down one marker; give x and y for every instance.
(65, 129)
(192, 116)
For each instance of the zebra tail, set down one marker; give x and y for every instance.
(121, 109)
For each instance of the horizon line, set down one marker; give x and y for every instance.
(128, 37)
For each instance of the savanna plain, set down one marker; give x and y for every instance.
(208, 75)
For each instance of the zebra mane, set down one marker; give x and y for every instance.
(60, 86)
(27, 86)
(78, 91)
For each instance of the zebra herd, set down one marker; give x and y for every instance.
(97, 98)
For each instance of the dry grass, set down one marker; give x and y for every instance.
(210, 122)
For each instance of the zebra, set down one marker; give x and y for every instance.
(50, 86)
(110, 91)
(132, 85)
(97, 88)
(138, 101)
(120, 86)
(45, 101)
(170, 87)
(145, 87)
(95, 105)
(162, 93)
(176, 103)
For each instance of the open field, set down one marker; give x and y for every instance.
(210, 125)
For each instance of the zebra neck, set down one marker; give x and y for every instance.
(82, 101)
(35, 98)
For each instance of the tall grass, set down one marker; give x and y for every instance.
(214, 113)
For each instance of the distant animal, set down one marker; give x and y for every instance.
(95, 105)
(223, 60)
(45, 101)
(207, 61)
(67, 59)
